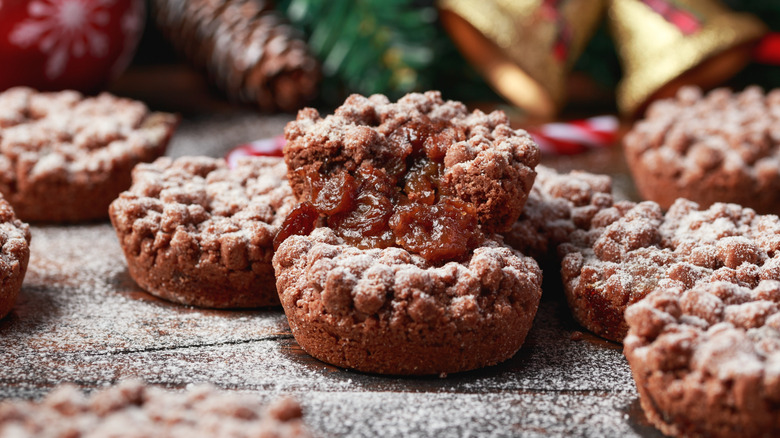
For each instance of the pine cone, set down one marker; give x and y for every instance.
(246, 47)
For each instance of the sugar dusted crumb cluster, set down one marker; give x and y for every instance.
(132, 409)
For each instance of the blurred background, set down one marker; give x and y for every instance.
(540, 60)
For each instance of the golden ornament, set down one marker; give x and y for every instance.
(524, 48)
(664, 44)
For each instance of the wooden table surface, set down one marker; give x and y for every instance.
(80, 318)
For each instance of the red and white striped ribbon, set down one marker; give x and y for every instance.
(576, 136)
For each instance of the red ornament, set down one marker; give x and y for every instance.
(67, 44)
(768, 49)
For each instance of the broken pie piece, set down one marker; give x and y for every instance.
(390, 263)
(422, 174)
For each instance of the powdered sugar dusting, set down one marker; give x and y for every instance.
(631, 249)
(705, 358)
(77, 297)
(197, 232)
(489, 415)
(132, 409)
(65, 156)
(71, 132)
(80, 319)
(718, 147)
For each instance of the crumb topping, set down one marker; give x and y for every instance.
(132, 409)
(632, 249)
(557, 205)
(200, 207)
(51, 135)
(339, 281)
(694, 135)
(718, 329)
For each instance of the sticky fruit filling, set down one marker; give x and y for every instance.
(403, 203)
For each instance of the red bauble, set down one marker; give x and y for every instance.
(67, 44)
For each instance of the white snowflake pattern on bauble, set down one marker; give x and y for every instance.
(64, 28)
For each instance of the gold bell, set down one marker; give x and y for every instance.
(664, 44)
(524, 48)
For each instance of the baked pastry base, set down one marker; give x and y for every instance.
(387, 311)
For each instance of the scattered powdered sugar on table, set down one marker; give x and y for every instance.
(78, 298)
(485, 415)
(81, 319)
